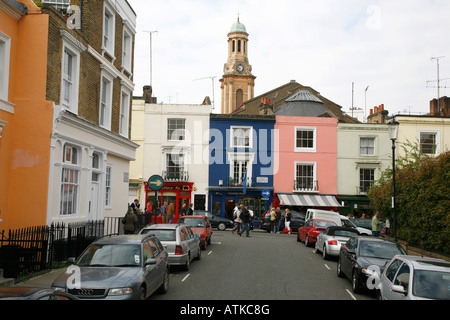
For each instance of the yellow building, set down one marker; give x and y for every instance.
(238, 82)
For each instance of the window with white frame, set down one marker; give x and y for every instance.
(5, 49)
(176, 129)
(175, 165)
(240, 167)
(367, 146)
(429, 142)
(305, 139)
(239, 171)
(127, 50)
(366, 178)
(108, 29)
(124, 113)
(70, 181)
(241, 137)
(305, 177)
(58, 4)
(105, 101)
(108, 187)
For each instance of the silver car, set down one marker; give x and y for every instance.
(329, 241)
(180, 242)
(415, 278)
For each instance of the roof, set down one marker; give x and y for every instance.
(279, 96)
(238, 27)
(426, 262)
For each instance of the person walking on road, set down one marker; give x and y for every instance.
(129, 221)
(164, 212)
(376, 225)
(171, 211)
(245, 217)
(237, 220)
(287, 220)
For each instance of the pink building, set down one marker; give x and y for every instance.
(305, 171)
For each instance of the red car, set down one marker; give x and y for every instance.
(312, 228)
(201, 226)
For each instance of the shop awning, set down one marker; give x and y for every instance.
(308, 200)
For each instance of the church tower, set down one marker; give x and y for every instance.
(237, 83)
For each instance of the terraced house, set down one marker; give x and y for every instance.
(73, 163)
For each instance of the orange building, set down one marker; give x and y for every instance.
(25, 115)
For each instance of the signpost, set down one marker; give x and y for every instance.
(156, 183)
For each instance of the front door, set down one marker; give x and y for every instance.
(93, 204)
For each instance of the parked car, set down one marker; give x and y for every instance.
(346, 222)
(201, 226)
(297, 221)
(329, 242)
(216, 222)
(28, 293)
(180, 242)
(118, 267)
(364, 257)
(415, 278)
(362, 223)
(312, 228)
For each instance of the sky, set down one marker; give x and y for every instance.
(354, 52)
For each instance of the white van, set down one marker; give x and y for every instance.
(322, 214)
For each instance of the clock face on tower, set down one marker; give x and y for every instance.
(240, 68)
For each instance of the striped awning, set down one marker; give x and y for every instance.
(308, 200)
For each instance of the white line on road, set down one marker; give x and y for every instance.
(348, 291)
(209, 252)
(186, 277)
(327, 266)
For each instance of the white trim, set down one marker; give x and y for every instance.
(2, 124)
(127, 63)
(109, 12)
(438, 140)
(306, 163)
(250, 141)
(124, 125)
(5, 56)
(109, 80)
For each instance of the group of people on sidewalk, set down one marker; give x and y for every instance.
(274, 217)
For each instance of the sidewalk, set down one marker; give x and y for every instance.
(42, 281)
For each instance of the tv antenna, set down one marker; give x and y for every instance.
(438, 81)
(151, 33)
(212, 80)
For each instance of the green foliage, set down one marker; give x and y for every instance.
(422, 186)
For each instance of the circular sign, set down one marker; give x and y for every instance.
(266, 193)
(155, 182)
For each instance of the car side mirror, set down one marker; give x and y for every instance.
(71, 260)
(150, 261)
(398, 289)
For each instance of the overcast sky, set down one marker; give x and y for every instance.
(325, 44)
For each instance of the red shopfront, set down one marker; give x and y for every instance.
(176, 192)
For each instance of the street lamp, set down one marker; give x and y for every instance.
(393, 133)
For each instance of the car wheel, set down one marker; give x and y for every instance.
(142, 293)
(315, 249)
(188, 262)
(199, 253)
(325, 255)
(221, 226)
(340, 274)
(356, 286)
(165, 285)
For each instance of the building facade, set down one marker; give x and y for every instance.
(173, 141)
(241, 163)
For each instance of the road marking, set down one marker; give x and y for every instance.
(209, 252)
(216, 242)
(186, 277)
(327, 266)
(348, 291)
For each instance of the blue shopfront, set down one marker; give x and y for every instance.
(241, 163)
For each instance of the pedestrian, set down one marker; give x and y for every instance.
(388, 227)
(245, 217)
(183, 210)
(376, 224)
(171, 211)
(287, 220)
(164, 212)
(278, 219)
(190, 210)
(235, 210)
(237, 221)
(251, 218)
(135, 206)
(273, 217)
(129, 221)
(149, 211)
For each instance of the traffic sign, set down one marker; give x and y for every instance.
(155, 182)
(266, 193)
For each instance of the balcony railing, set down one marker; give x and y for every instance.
(306, 185)
(175, 176)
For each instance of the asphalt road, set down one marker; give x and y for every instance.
(261, 267)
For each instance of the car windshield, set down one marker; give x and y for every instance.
(363, 223)
(431, 284)
(379, 249)
(161, 234)
(192, 222)
(111, 255)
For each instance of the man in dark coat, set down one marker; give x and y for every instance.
(245, 217)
